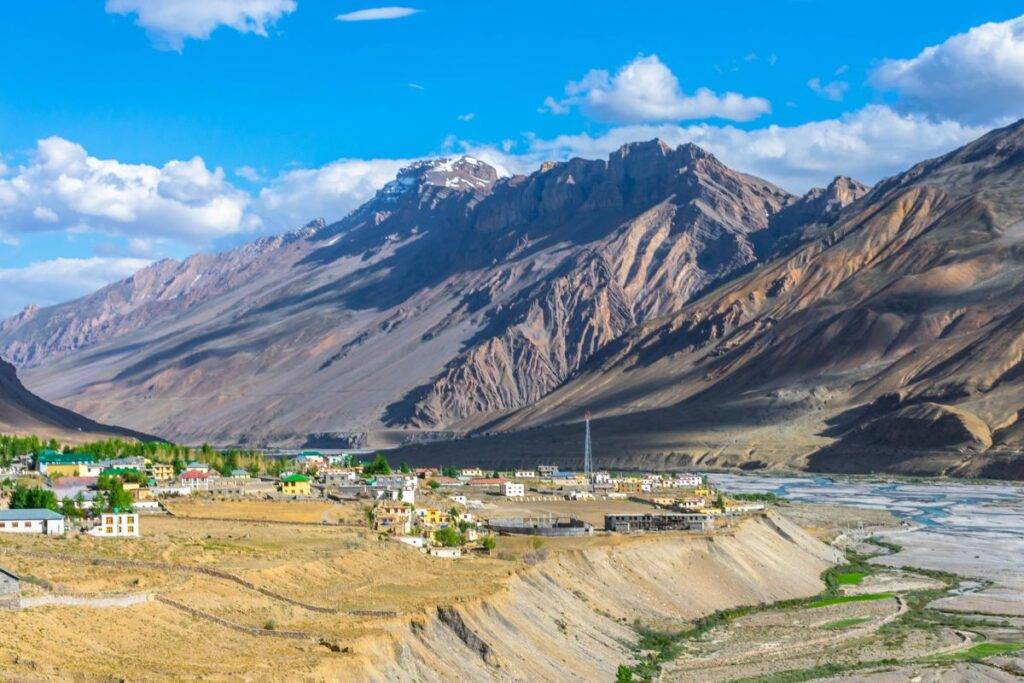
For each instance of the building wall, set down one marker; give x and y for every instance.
(9, 586)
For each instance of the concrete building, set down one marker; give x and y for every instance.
(196, 466)
(392, 518)
(471, 472)
(689, 481)
(31, 521)
(113, 524)
(196, 480)
(295, 485)
(647, 521)
(10, 586)
(54, 464)
(547, 470)
(525, 474)
(512, 490)
(161, 471)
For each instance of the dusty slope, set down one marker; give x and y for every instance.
(449, 297)
(913, 297)
(565, 618)
(568, 618)
(22, 412)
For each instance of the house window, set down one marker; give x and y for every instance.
(110, 529)
(131, 529)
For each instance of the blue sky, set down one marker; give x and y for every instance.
(137, 129)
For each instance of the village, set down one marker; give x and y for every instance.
(441, 511)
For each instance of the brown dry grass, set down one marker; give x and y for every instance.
(268, 510)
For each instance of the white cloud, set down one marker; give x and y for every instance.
(378, 14)
(330, 191)
(869, 144)
(976, 77)
(415, 86)
(249, 173)
(466, 117)
(171, 22)
(833, 90)
(60, 279)
(647, 90)
(62, 187)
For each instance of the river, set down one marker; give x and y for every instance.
(973, 529)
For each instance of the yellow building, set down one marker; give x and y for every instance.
(431, 516)
(704, 493)
(64, 470)
(295, 485)
(161, 471)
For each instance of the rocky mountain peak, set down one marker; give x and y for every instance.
(458, 174)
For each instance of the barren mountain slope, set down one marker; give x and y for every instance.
(894, 341)
(448, 298)
(24, 413)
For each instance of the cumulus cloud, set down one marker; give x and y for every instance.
(466, 117)
(62, 187)
(60, 279)
(647, 90)
(975, 77)
(869, 144)
(170, 22)
(378, 14)
(330, 191)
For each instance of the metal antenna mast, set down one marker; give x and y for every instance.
(588, 462)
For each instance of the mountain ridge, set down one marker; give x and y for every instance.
(457, 274)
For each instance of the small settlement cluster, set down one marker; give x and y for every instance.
(442, 511)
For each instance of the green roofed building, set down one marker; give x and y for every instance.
(52, 463)
(295, 485)
(56, 458)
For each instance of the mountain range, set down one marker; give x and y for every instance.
(703, 315)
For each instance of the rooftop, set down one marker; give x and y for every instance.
(292, 478)
(28, 514)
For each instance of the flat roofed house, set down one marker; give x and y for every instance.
(31, 521)
(295, 485)
(113, 524)
(161, 471)
(196, 466)
(512, 490)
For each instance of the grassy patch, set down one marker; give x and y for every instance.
(840, 599)
(845, 623)
(824, 671)
(978, 652)
(850, 578)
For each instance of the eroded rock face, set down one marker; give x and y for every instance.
(913, 289)
(450, 297)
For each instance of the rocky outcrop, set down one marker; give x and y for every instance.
(913, 289)
(450, 298)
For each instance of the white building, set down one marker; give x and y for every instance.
(31, 521)
(689, 481)
(414, 541)
(513, 490)
(525, 474)
(459, 498)
(602, 478)
(471, 472)
(116, 524)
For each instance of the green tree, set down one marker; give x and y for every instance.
(433, 485)
(624, 674)
(254, 468)
(378, 466)
(23, 498)
(405, 469)
(119, 500)
(488, 542)
(449, 537)
(449, 471)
